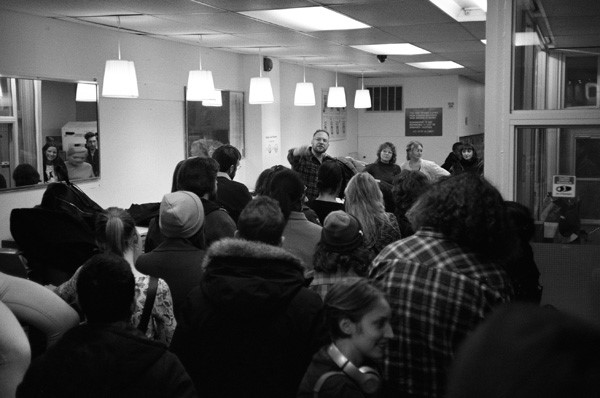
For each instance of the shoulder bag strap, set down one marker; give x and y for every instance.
(150, 296)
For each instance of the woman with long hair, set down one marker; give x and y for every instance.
(329, 183)
(408, 186)
(385, 167)
(414, 161)
(116, 233)
(469, 161)
(364, 201)
(357, 316)
(54, 167)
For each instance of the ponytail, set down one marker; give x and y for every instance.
(114, 230)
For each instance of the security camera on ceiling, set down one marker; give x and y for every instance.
(381, 58)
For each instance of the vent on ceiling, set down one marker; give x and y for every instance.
(385, 98)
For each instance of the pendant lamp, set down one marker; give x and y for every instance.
(261, 91)
(200, 85)
(216, 101)
(85, 92)
(336, 98)
(305, 92)
(362, 98)
(120, 80)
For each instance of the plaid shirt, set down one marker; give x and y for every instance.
(438, 292)
(307, 166)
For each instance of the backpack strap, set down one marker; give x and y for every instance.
(148, 304)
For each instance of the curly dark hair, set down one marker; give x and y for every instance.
(408, 186)
(392, 148)
(468, 210)
(329, 262)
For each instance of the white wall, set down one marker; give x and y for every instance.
(471, 97)
(424, 92)
(143, 139)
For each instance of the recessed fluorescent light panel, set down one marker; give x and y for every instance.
(392, 49)
(307, 19)
(435, 65)
(463, 10)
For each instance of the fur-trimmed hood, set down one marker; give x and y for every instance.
(250, 278)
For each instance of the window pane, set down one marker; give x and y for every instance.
(564, 209)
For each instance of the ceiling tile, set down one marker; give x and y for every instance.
(251, 5)
(357, 36)
(451, 46)
(395, 13)
(429, 32)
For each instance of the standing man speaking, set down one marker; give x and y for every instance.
(306, 160)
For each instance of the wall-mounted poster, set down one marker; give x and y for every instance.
(423, 122)
(333, 120)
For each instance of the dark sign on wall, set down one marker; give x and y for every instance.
(423, 122)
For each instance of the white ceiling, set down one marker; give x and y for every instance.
(574, 23)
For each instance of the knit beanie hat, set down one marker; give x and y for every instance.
(341, 232)
(181, 214)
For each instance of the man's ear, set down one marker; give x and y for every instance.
(281, 241)
(236, 234)
(347, 326)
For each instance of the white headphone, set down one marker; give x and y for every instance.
(367, 378)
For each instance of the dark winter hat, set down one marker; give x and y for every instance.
(181, 214)
(341, 232)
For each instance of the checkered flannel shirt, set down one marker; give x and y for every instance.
(308, 168)
(438, 292)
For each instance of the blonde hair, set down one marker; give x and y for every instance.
(364, 201)
(410, 147)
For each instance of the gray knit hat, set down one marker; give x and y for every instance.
(341, 232)
(181, 214)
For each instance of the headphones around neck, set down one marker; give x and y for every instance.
(367, 378)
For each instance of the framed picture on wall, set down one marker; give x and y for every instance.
(208, 127)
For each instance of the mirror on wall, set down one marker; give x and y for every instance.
(48, 131)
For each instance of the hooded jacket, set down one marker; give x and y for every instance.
(252, 326)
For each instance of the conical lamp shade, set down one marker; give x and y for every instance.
(216, 101)
(336, 97)
(261, 91)
(85, 92)
(305, 94)
(120, 80)
(200, 85)
(362, 99)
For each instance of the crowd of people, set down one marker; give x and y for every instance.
(319, 284)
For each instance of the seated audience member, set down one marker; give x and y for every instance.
(521, 266)
(340, 252)
(469, 161)
(364, 201)
(153, 312)
(525, 351)
(358, 318)
(77, 167)
(2, 181)
(453, 157)
(443, 280)
(106, 357)
(232, 195)
(199, 175)
(300, 235)
(54, 167)
(25, 174)
(329, 182)
(414, 161)
(385, 167)
(15, 353)
(408, 186)
(251, 327)
(36, 306)
(178, 260)
(55, 237)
